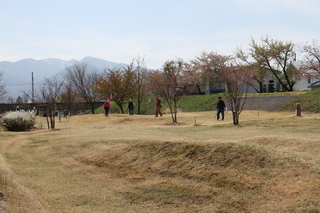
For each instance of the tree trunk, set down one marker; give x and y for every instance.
(47, 117)
(175, 111)
(199, 89)
(92, 109)
(52, 118)
(139, 99)
(52, 121)
(172, 116)
(235, 116)
(121, 108)
(139, 106)
(175, 116)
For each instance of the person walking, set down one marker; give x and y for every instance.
(106, 107)
(130, 107)
(220, 108)
(158, 107)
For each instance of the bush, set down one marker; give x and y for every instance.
(18, 121)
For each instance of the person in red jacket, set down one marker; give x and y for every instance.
(158, 107)
(106, 107)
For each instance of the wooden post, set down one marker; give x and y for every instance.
(298, 109)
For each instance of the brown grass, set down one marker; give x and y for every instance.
(269, 163)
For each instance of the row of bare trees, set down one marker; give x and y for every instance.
(82, 84)
(169, 84)
(236, 73)
(177, 76)
(124, 83)
(233, 73)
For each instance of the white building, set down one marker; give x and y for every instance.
(305, 79)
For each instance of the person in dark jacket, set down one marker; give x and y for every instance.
(130, 107)
(220, 108)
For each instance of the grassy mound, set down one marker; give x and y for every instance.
(217, 176)
(310, 102)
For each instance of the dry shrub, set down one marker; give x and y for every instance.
(18, 121)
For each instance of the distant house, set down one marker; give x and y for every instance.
(315, 85)
(306, 79)
(269, 85)
(211, 88)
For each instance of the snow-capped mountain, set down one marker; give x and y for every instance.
(17, 76)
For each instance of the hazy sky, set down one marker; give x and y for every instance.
(158, 30)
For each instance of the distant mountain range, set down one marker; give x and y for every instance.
(18, 75)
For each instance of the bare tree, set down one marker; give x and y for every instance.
(84, 83)
(312, 58)
(236, 90)
(2, 87)
(48, 94)
(141, 80)
(120, 82)
(207, 68)
(69, 97)
(194, 75)
(169, 85)
(10, 100)
(276, 55)
(231, 77)
(256, 74)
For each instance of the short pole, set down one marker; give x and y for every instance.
(298, 109)
(195, 120)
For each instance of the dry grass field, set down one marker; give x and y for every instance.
(91, 163)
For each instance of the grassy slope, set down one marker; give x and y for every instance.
(84, 166)
(310, 102)
(270, 173)
(216, 176)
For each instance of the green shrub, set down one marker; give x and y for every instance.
(18, 121)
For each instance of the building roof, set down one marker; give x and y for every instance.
(315, 84)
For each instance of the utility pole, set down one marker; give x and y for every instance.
(32, 87)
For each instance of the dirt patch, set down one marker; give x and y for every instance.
(124, 121)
